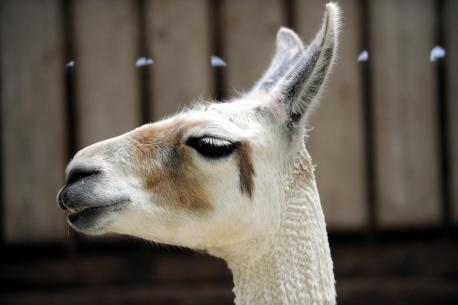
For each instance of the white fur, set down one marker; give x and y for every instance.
(275, 241)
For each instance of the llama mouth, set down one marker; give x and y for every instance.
(87, 218)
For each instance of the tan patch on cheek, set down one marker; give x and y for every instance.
(246, 170)
(145, 143)
(175, 182)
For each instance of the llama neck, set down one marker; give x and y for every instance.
(296, 268)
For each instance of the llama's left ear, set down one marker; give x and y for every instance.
(296, 75)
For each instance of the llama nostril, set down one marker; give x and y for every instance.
(77, 174)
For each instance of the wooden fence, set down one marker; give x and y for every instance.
(385, 138)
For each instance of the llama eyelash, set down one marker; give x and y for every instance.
(211, 147)
(216, 141)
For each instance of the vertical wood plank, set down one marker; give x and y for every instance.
(250, 29)
(179, 39)
(336, 141)
(107, 81)
(33, 120)
(402, 35)
(451, 61)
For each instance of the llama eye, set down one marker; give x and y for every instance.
(211, 147)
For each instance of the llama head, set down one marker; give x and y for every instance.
(213, 175)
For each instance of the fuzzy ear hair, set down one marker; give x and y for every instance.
(289, 49)
(295, 75)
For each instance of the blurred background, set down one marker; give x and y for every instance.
(385, 139)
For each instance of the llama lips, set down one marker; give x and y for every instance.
(87, 218)
(87, 210)
(70, 210)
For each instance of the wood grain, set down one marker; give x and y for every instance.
(179, 40)
(107, 81)
(34, 148)
(406, 128)
(336, 140)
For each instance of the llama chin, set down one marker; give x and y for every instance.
(233, 179)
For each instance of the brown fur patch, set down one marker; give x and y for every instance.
(246, 170)
(175, 182)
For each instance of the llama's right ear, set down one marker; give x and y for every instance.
(294, 79)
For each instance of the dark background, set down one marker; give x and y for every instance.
(384, 139)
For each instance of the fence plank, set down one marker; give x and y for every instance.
(180, 43)
(34, 144)
(107, 81)
(337, 140)
(451, 42)
(249, 39)
(402, 35)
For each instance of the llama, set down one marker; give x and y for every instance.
(233, 179)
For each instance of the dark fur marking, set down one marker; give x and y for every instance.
(302, 78)
(246, 170)
(299, 78)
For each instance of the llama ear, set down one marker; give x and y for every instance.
(295, 76)
(289, 49)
